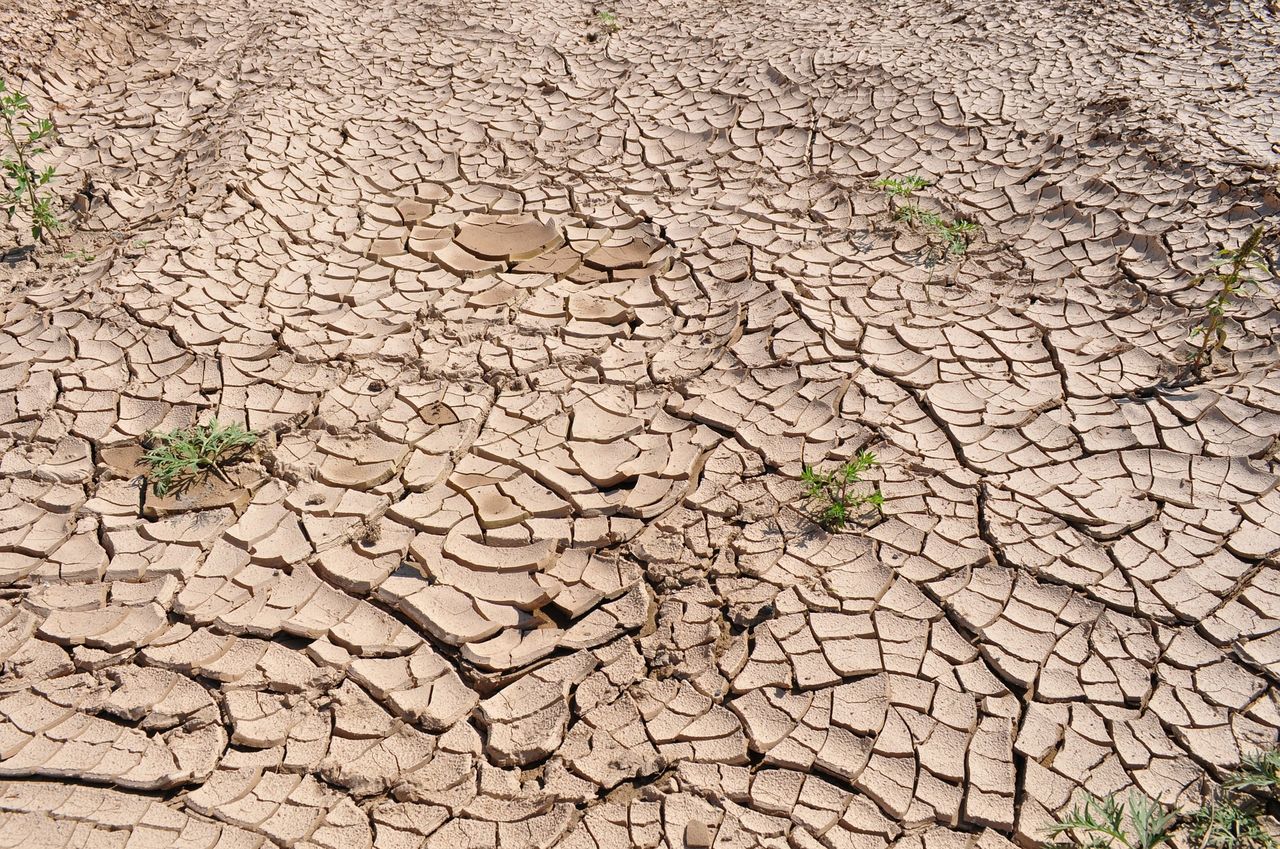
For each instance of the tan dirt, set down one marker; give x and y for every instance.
(540, 320)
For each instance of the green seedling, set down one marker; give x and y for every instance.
(1143, 823)
(78, 255)
(957, 235)
(1231, 272)
(901, 187)
(831, 503)
(1231, 817)
(1227, 821)
(182, 457)
(609, 21)
(135, 248)
(953, 234)
(20, 182)
(1258, 773)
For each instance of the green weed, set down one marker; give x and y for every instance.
(1230, 269)
(1231, 817)
(609, 21)
(953, 235)
(1100, 823)
(828, 496)
(1259, 772)
(20, 182)
(180, 458)
(901, 187)
(1227, 821)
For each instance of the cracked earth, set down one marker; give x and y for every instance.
(539, 322)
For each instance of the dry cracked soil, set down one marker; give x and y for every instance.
(540, 317)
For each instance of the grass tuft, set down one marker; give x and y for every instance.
(1230, 817)
(1229, 822)
(1101, 823)
(1257, 773)
(181, 457)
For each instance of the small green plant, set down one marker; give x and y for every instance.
(609, 21)
(958, 235)
(1259, 772)
(179, 458)
(1229, 821)
(828, 495)
(1100, 823)
(1229, 818)
(954, 234)
(901, 187)
(1230, 270)
(20, 182)
(134, 248)
(78, 255)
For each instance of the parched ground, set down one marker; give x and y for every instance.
(539, 322)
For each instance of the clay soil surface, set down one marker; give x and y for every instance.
(539, 316)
